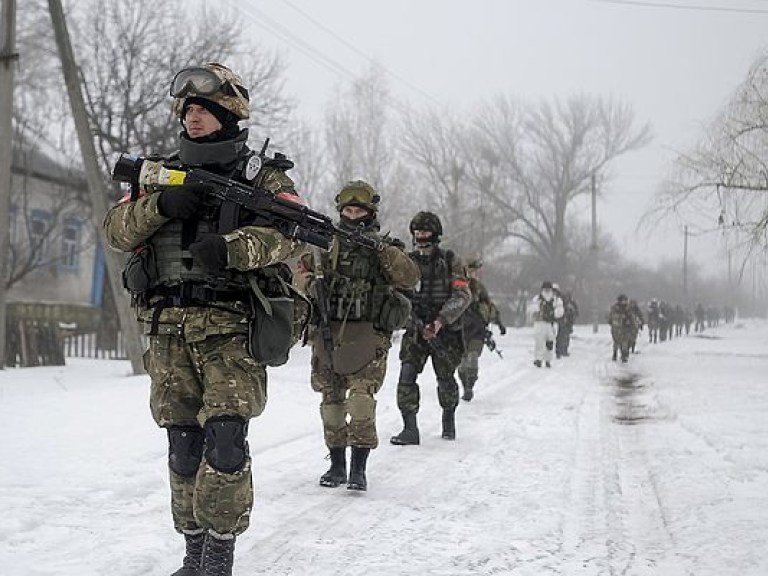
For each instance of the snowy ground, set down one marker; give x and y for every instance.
(658, 467)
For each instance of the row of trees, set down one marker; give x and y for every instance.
(503, 176)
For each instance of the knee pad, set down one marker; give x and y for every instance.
(408, 373)
(225, 447)
(550, 344)
(185, 449)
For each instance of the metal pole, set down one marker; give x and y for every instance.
(128, 325)
(8, 57)
(593, 251)
(685, 265)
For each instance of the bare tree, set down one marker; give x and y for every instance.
(128, 59)
(723, 181)
(360, 143)
(547, 155)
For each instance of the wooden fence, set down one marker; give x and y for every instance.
(40, 334)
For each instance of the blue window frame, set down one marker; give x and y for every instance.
(39, 227)
(71, 237)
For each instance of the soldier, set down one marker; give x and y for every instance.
(364, 306)
(480, 313)
(434, 330)
(194, 291)
(622, 324)
(565, 325)
(549, 309)
(638, 323)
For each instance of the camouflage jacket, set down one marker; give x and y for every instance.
(131, 223)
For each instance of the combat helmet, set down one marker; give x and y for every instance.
(214, 82)
(427, 221)
(358, 193)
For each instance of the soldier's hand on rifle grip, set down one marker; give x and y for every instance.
(432, 329)
(210, 251)
(181, 202)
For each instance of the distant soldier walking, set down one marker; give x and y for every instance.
(475, 321)
(622, 323)
(434, 331)
(549, 308)
(565, 325)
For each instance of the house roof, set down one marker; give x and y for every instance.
(30, 160)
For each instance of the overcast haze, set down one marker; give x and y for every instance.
(676, 66)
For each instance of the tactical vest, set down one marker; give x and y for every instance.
(547, 310)
(168, 248)
(357, 286)
(435, 288)
(175, 264)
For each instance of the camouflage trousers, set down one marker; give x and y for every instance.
(191, 383)
(348, 404)
(468, 368)
(445, 351)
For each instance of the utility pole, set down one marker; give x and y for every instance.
(8, 57)
(128, 325)
(685, 265)
(593, 259)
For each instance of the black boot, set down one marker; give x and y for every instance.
(468, 394)
(218, 556)
(449, 423)
(357, 479)
(337, 473)
(190, 566)
(410, 433)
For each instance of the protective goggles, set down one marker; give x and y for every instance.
(201, 81)
(357, 196)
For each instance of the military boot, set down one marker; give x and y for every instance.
(218, 556)
(190, 566)
(337, 473)
(410, 433)
(449, 423)
(468, 393)
(357, 479)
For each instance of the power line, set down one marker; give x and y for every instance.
(360, 53)
(693, 7)
(265, 22)
(282, 33)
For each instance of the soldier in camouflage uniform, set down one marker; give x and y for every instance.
(193, 291)
(478, 315)
(361, 290)
(622, 322)
(434, 330)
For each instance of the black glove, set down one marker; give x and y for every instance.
(502, 329)
(183, 201)
(210, 251)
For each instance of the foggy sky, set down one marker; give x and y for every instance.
(676, 67)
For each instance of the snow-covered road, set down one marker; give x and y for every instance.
(657, 467)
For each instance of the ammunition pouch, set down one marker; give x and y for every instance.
(140, 272)
(394, 311)
(280, 315)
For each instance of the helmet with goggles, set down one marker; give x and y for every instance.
(214, 82)
(358, 193)
(475, 263)
(427, 221)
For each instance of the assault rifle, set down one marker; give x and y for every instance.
(435, 343)
(491, 343)
(291, 219)
(320, 294)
